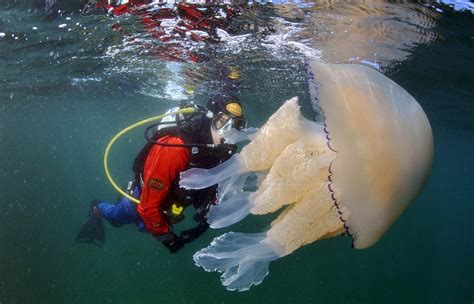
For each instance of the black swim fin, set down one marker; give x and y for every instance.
(92, 230)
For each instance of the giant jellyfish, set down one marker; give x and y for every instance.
(355, 172)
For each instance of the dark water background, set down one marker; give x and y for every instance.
(64, 94)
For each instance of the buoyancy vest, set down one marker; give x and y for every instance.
(191, 132)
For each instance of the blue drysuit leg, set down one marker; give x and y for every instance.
(122, 213)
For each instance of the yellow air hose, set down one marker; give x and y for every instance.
(135, 125)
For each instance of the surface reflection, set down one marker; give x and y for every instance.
(380, 32)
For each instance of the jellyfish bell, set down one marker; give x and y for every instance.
(357, 173)
(383, 142)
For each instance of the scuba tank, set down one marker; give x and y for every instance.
(173, 116)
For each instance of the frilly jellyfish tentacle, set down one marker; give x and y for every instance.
(281, 129)
(295, 172)
(230, 211)
(232, 186)
(242, 258)
(337, 205)
(313, 92)
(196, 178)
(233, 202)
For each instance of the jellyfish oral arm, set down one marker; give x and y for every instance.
(311, 219)
(230, 211)
(242, 258)
(197, 178)
(281, 129)
(295, 171)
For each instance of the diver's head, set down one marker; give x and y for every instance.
(225, 113)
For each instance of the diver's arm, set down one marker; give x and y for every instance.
(162, 167)
(187, 236)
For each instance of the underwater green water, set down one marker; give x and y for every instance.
(61, 101)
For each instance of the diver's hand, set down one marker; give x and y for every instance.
(224, 151)
(190, 235)
(173, 243)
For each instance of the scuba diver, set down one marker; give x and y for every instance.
(176, 145)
